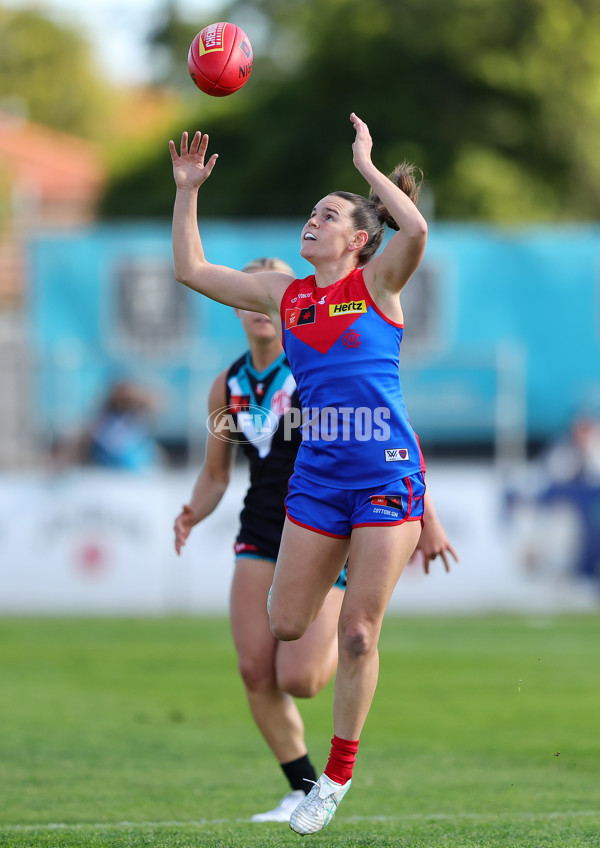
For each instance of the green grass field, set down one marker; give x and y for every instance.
(484, 732)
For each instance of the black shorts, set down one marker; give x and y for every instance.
(258, 538)
(261, 540)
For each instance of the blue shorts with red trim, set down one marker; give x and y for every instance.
(335, 512)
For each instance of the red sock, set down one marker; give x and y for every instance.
(341, 759)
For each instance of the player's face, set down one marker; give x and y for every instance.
(256, 325)
(329, 230)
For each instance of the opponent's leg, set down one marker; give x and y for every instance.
(273, 710)
(305, 666)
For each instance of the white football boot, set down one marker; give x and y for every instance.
(283, 810)
(317, 809)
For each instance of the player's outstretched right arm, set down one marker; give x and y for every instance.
(259, 292)
(214, 477)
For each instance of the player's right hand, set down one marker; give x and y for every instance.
(189, 168)
(183, 525)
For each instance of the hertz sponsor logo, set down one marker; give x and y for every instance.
(346, 308)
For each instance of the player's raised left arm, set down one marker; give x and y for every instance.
(393, 267)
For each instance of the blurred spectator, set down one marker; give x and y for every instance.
(577, 456)
(572, 470)
(561, 513)
(119, 436)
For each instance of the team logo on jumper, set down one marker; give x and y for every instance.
(395, 501)
(239, 403)
(396, 454)
(346, 308)
(281, 402)
(351, 338)
(299, 315)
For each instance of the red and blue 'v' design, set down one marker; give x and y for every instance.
(344, 354)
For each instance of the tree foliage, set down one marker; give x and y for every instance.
(498, 101)
(171, 37)
(47, 68)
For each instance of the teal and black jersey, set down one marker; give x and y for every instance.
(265, 408)
(266, 411)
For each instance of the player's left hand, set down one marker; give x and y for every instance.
(363, 143)
(433, 543)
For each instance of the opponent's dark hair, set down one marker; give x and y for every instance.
(370, 214)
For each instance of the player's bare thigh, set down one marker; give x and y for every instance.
(378, 556)
(308, 565)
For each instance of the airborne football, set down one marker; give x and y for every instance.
(220, 59)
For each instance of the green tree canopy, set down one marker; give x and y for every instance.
(498, 101)
(48, 68)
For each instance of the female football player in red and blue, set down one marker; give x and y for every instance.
(358, 488)
(274, 672)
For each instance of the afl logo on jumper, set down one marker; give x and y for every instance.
(299, 315)
(346, 308)
(396, 454)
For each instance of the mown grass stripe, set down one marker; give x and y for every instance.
(521, 816)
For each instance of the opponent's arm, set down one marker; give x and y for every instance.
(214, 477)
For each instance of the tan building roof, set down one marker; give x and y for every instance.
(48, 179)
(53, 165)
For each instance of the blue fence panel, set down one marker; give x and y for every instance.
(104, 305)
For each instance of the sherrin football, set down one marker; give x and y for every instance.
(220, 59)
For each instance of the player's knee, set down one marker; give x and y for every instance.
(285, 630)
(299, 682)
(257, 676)
(284, 625)
(357, 639)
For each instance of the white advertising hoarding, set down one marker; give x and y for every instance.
(93, 542)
